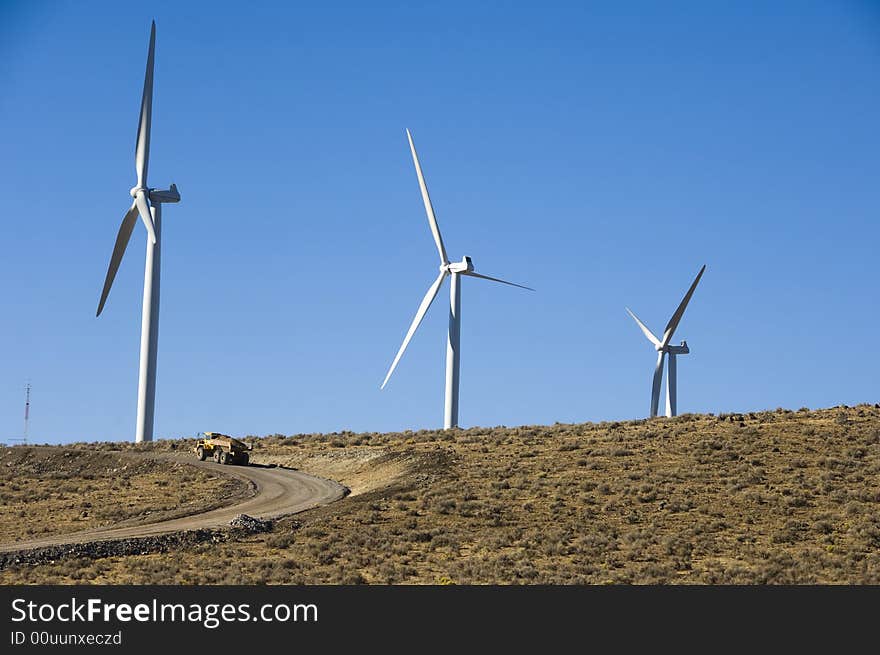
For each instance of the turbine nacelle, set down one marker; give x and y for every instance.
(170, 195)
(673, 350)
(466, 265)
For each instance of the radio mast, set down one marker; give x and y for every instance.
(27, 409)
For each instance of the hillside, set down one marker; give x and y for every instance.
(766, 497)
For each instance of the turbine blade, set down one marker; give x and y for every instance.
(676, 317)
(655, 388)
(645, 329)
(494, 279)
(429, 208)
(143, 206)
(420, 314)
(142, 147)
(125, 229)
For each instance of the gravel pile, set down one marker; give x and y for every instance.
(116, 548)
(134, 546)
(251, 524)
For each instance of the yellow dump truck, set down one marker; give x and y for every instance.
(222, 448)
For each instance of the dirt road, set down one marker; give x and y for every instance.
(277, 492)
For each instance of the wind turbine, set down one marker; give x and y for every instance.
(453, 270)
(663, 348)
(148, 205)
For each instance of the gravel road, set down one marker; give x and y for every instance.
(278, 492)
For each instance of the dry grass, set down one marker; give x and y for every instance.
(52, 490)
(775, 497)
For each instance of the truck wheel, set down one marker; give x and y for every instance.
(224, 458)
(218, 453)
(201, 453)
(244, 459)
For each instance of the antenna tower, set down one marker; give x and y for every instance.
(27, 410)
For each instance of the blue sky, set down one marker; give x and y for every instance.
(599, 152)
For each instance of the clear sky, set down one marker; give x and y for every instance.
(600, 152)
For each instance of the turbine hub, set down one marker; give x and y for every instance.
(135, 189)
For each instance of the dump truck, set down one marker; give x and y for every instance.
(222, 448)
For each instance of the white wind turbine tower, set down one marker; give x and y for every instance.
(454, 270)
(148, 205)
(663, 348)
